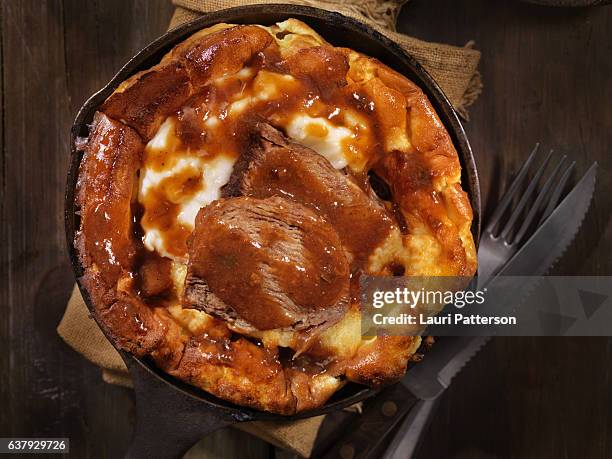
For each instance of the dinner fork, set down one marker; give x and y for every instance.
(502, 237)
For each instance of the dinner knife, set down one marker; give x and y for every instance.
(431, 377)
(537, 256)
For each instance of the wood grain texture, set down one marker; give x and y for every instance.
(547, 78)
(55, 54)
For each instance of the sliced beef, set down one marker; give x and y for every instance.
(275, 166)
(264, 264)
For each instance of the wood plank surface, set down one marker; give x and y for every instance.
(547, 76)
(55, 54)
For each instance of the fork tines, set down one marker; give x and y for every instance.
(544, 199)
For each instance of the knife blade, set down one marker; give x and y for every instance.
(426, 381)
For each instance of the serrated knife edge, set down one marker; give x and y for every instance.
(456, 364)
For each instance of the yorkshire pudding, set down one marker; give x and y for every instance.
(231, 195)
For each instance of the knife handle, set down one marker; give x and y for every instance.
(380, 415)
(407, 438)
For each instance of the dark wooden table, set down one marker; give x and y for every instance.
(548, 78)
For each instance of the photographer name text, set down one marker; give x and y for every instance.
(449, 319)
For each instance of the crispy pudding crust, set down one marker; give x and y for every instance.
(231, 195)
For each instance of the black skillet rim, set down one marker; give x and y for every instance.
(151, 54)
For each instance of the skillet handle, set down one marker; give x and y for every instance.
(168, 421)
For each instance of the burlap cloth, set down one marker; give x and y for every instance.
(454, 69)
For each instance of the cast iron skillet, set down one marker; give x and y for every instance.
(172, 415)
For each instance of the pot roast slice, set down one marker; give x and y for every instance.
(276, 166)
(263, 264)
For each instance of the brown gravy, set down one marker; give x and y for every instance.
(218, 119)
